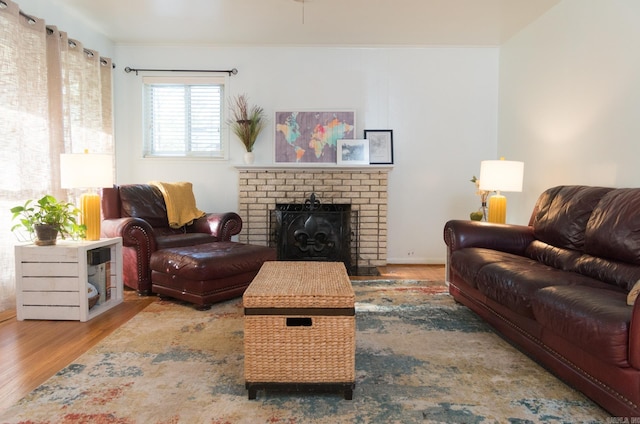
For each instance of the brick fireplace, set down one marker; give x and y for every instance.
(364, 188)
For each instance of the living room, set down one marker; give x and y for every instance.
(559, 94)
(556, 95)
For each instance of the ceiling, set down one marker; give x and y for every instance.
(309, 22)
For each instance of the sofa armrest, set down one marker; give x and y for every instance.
(459, 234)
(221, 225)
(135, 232)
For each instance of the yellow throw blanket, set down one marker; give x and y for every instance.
(180, 201)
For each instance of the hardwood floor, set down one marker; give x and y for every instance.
(415, 272)
(33, 351)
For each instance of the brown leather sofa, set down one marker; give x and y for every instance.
(138, 214)
(558, 287)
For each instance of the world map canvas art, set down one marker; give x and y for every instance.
(311, 137)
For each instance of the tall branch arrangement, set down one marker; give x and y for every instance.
(246, 121)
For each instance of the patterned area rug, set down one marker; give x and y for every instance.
(420, 358)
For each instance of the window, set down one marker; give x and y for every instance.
(183, 117)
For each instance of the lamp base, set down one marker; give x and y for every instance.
(498, 209)
(90, 214)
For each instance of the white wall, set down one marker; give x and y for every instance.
(440, 102)
(570, 98)
(75, 27)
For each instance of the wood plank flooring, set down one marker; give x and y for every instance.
(33, 351)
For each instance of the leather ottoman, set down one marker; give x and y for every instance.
(207, 273)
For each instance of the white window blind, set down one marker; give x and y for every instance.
(183, 117)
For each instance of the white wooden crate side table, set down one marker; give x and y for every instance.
(51, 281)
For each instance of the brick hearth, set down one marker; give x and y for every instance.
(365, 188)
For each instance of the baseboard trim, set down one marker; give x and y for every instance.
(415, 261)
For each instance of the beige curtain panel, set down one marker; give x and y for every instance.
(56, 98)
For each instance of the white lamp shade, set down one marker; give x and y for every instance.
(501, 175)
(85, 170)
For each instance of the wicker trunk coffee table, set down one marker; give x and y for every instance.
(299, 328)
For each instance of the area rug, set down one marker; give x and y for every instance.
(420, 358)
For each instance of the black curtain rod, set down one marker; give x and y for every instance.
(233, 71)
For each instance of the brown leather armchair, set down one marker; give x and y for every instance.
(138, 214)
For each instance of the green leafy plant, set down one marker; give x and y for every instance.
(63, 216)
(246, 121)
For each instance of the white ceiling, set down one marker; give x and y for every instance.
(309, 22)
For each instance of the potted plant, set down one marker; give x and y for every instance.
(46, 218)
(246, 122)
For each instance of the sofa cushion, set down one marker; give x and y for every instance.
(515, 284)
(468, 262)
(556, 257)
(561, 214)
(621, 274)
(595, 319)
(613, 231)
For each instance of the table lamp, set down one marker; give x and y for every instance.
(90, 171)
(500, 175)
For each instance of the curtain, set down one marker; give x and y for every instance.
(55, 98)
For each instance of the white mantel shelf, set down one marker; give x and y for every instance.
(313, 167)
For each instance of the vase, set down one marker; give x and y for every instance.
(249, 158)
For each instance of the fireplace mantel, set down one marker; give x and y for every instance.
(261, 187)
(313, 167)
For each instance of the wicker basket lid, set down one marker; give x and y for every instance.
(300, 284)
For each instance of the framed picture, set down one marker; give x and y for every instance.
(380, 146)
(311, 136)
(353, 152)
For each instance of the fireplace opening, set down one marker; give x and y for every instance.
(315, 231)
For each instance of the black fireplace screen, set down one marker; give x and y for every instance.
(312, 231)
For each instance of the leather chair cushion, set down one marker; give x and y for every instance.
(184, 240)
(144, 201)
(595, 319)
